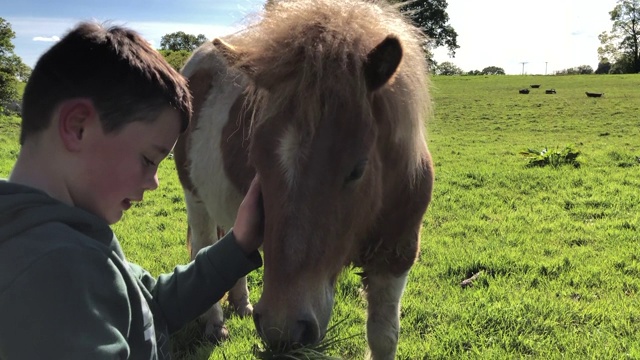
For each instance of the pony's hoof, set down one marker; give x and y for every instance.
(244, 310)
(216, 333)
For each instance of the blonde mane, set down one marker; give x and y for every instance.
(307, 48)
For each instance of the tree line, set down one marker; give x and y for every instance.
(429, 15)
(619, 51)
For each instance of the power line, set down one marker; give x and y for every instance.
(523, 62)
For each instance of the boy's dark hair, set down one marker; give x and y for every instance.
(116, 68)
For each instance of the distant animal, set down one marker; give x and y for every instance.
(550, 91)
(523, 91)
(326, 100)
(535, 86)
(591, 94)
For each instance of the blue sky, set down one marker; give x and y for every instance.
(504, 33)
(38, 23)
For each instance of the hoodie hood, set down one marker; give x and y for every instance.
(23, 208)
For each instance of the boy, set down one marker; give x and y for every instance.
(100, 111)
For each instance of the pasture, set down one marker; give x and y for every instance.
(556, 251)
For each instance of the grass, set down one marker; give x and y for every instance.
(556, 249)
(308, 352)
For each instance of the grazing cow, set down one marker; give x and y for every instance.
(523, 91)
(326, 100)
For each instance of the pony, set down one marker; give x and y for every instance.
(327, 101)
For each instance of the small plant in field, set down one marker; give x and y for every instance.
(307, 352)
(554, 157)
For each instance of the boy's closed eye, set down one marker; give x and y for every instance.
(148, 161)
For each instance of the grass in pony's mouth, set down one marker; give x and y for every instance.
(304, 352)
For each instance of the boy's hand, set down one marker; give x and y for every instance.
(249, 225)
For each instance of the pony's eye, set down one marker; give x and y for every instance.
(357, 172)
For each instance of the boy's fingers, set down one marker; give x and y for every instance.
(254, 189)
(251, 192)
(255, 184)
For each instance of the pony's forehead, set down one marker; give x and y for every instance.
(304, 109)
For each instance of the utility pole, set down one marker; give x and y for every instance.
(523, 62)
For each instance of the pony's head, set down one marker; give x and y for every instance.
(319, 77)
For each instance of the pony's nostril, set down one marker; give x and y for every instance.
(309, 332)
(279, 336)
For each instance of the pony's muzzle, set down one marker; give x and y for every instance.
(303, 331)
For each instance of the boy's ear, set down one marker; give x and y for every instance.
(73, 118)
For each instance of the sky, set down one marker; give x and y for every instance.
(546, 35)
(549, 35)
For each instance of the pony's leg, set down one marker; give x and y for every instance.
(203, 233)
(239, 298)
(239, 293)
(383, 321)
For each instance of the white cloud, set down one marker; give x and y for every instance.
(47, 39)
(30, 44)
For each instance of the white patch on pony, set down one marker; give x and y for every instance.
(289, 153)
(219, 197)
(218, 200)
(383, 322)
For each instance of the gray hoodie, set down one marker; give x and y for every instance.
(68, 292)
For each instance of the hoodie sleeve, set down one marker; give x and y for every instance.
(191, 289)
(69, 304)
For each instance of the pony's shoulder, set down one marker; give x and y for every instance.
(205, 57)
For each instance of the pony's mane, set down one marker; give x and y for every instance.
(307, 48)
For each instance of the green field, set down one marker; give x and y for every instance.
(556, 250)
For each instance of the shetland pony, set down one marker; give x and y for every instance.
(326, 100)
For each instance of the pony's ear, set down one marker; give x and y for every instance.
(382, 62)
(233, 56)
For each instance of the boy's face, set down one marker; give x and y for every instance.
(119, 167)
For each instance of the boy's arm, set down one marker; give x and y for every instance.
(70, 304)
(191, 289)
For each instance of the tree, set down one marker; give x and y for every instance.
(493, 70)
(603, 67)
(448, 68)
(578, 70)
(432, 18)
(23, 72)
(584, 69)
(12, 69)
(622, 44)
(181, 41)
(608, 50)
(177, 47)
(176, 59)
